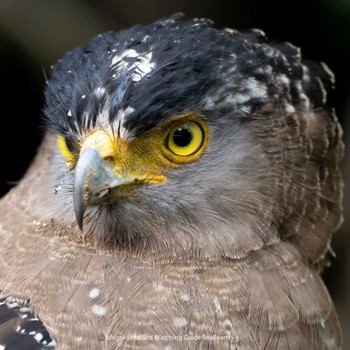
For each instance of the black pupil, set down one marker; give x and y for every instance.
(182, 137)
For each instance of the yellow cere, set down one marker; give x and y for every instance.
(147, 158)
(104, 141)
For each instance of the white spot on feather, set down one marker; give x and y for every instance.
(38, 337)
(306, 73)
(100, 91)
(180, 322)
(2, 347)
(158, 286)
(256, 89)
(329, 72)
(259, 31)
(94, 293)
(323, 90)
(227, 323)
(289, 108)
(282, 78)
(11, 305)
(142, 66)
(185, 297)
(240, 98)
(128, 111)
(231, 31)
(98, 310)
(305, 100)
(264, 70)
(217, 305)
(298, 86)
(117, 59)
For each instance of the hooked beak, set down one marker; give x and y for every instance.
(109, 168)
(94, 182)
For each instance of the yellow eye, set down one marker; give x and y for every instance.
(64, 149)
(186, 140)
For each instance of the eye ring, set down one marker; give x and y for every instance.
(186, 139)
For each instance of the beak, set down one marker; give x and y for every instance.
(94, 182)
(105, 168)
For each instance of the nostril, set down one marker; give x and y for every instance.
(108, 159)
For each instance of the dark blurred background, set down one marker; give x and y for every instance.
(35, 33)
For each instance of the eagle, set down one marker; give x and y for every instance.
(184, 197)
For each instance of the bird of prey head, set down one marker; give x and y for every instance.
(180, 136)
(195, 188)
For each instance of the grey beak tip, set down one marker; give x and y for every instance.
(79, 210)
(80, 221)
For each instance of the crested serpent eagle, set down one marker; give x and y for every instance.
(184, 197)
